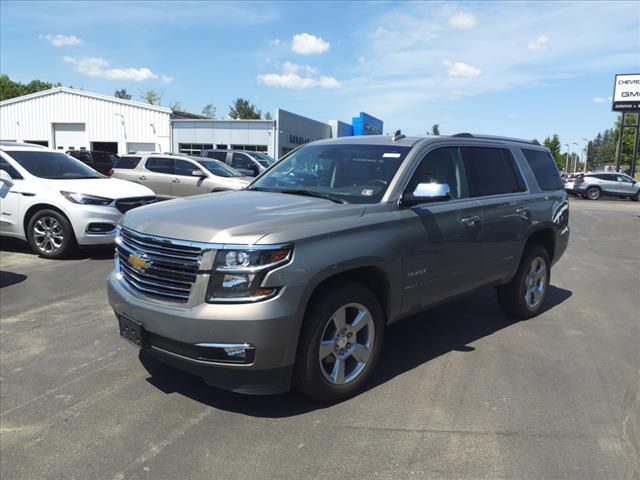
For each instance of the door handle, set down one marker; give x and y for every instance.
(470, 221)
(142, 177)
(522, 211)
(176, 180)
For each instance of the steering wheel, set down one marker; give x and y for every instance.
(378, 182)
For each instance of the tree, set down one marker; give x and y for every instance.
(122, 93)
(555, 146)
(209, 111)
(176, 106)
(152, 97)
(267, 116)
(435, 129)
(10, 89)
(241, 109)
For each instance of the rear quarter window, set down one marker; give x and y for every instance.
(127, 162)
(491, 171)
(544, 169)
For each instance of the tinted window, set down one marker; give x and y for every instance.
(107, 158)
(127, 162)
(624, 178)
(352, 173)
(185, 168)
(490, 171)
(222, 156)
(160, 165)
(53, 165)
(441, 166)
(240, 160)
(82, 156)
(544, 169)
(13, 173)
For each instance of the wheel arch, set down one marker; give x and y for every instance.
(546, 238)
(33, 209)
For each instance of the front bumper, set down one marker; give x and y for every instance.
(272, 327)
(82, 216)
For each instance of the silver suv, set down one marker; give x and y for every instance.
(172, 176)
(293, 280)
(595, 185)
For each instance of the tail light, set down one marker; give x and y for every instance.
(111, 172)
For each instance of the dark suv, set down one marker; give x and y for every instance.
(100, 161)
(293, 280)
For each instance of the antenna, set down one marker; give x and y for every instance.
(397, 136)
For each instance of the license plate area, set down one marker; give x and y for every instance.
(131, 331)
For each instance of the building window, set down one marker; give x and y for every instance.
(194, 149)
(222, 146)
(250, 148)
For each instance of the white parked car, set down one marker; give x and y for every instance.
(56, 202)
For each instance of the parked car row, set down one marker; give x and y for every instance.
(595, 185)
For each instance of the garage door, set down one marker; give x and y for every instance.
(69, 136)
(133, 147)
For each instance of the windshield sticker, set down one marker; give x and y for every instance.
(367, 192)
(391, 155)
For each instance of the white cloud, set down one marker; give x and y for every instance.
(98, 67)
(539, 43)
(59, 40)
(360, 60)
(462, 70)
(306, 44)
(298, 77)
(463, 21)
(599, 100)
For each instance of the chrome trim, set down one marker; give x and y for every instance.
(246, 346)
(276, 292)
(203, 362)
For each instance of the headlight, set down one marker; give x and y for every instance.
(84, 199)
(238, 274)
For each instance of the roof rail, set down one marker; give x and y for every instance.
(397, 136)
(494, 137)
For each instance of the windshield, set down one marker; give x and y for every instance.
(218, 168)
(53, 165)
(350, 173)
(265, 160)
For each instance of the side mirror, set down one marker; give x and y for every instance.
(198, 173)
(6, 178)
(427, 192)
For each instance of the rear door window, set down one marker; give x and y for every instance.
(127, 162)
(544, 169)
(160, 165)
(491, 171)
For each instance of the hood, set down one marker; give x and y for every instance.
(241, 217)
(102, 187)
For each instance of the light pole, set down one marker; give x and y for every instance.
(575, 162)
(567, 162)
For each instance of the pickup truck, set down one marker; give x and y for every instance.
(292, 281)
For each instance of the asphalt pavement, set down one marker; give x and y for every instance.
(462, 392)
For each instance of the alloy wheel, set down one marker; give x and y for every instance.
(535, 283)
(48, 234)
(346, 343)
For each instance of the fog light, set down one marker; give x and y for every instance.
(238, 353)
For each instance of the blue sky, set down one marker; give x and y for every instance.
(505, 68)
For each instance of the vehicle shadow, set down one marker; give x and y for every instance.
(98, 252)
(9, 278)
(448, 327)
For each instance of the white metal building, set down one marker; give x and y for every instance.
(68, 119)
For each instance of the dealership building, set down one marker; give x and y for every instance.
(69, 119)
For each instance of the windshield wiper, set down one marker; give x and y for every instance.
(309, 193)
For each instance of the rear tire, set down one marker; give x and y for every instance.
(524, 296)
(593, 193)
(340, 342)
(50, 234)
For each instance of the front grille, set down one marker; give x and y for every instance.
(126, 204)
(171, 267)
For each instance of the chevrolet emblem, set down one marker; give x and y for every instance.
(140, 263)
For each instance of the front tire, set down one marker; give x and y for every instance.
(635, 197)
(340, 342)
(524, 296)
(50, 234)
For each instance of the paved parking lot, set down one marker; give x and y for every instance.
(462, 392)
